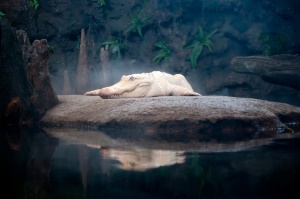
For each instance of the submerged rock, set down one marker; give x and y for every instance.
(209, 118)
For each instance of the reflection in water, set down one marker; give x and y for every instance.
(37, 165)
(142, 159)
(26, 162)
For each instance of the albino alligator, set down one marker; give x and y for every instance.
(151, 84)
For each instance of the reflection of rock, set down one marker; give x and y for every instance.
(26, 161)
(13, 112)
(143, 159)
(100, 140)
(279, 69)
(174, 118)
(13, 137)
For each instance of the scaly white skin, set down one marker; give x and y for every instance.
(147, 85)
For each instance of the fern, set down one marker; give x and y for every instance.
(201, 40)
(137, 23)
(101, 2)
(115, 46)
(163, 54)
(2, 15)
(34, 4)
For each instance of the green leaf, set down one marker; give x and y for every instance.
(197, 44)
(130, 29)
(164, 52)
(209, 35)
(200, 31)
(144, 20)
(137, 24)
(101, 2)
(209, 45)
(139, 29)
(195, 54)
(115, 46)
(1, 15)
(34, 4)
(110, 42)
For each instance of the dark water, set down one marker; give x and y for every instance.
(39, 164)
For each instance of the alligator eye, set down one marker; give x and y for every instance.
(131, 78)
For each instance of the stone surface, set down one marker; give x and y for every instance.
(44, 96)
(279, 69)
(14, 81)
(205, 118)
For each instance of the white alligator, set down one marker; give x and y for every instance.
(151, 84)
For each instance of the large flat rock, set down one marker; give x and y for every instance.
(205, 118)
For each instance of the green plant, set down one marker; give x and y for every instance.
(77, 46)
(201, 40)
(164, 52)
(51, 49)
(204, 174)
(1, 15)
(273, 43)
(137, 23)
(34, 3)
(115, 47)
(101, 2)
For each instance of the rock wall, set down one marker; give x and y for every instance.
(25, 85)
(14, 81)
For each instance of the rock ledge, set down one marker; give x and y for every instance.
(203, 118)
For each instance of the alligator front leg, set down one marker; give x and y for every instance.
(93, 93)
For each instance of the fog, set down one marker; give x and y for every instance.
(118, 69)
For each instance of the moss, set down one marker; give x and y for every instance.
(2, 15)
(34, 4)
(273, 43)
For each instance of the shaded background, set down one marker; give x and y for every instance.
(249, 27)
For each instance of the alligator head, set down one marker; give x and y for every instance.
(128, 86)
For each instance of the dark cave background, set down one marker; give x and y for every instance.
(245, 28)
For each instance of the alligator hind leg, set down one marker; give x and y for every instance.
(182, 91)
(183, 82)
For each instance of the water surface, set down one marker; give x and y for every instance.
(80, 164)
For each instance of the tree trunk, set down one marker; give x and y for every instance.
(82, 78)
